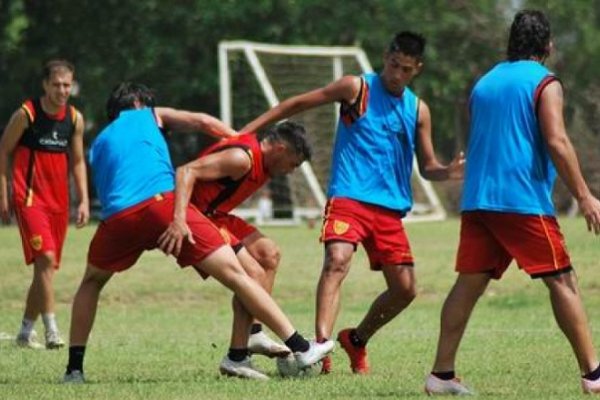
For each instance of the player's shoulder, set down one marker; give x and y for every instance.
(21, 117)
(351, 81)
(27, 111)
(348, 87)
(239, 154)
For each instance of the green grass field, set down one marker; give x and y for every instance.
(161, 332)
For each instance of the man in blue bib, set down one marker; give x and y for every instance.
(382, 124)
(135, 180)
(517, 143)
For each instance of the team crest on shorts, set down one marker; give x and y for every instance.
(340, 227)
(225, 235)
(36, 242)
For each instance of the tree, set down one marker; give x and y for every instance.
(173, 48)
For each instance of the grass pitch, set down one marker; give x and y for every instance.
(160, 332)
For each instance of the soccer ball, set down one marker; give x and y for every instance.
(288, 368)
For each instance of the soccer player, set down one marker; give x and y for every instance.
(134, 179)
(382, 123)
(43, 136)
(223, 176)
(517, 143)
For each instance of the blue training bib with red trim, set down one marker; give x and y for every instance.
(508, 166)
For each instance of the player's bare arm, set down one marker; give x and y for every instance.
(563, 154)
(344, 89)
(188, 121)
(429, 166)
(10, 138)
(80, 173)
(233, 163)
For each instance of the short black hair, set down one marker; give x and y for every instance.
(124, 96)
(529, 36)
(57, 64)
(408, 43)
(293, 134)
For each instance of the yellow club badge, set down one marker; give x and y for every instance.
(340, 227)
(36, 242)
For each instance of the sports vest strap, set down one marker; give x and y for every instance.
(48, 133)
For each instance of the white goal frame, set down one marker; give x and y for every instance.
(250, 50)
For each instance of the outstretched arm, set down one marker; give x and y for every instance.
(80, 173)
(429, 166)
(344, 89)
(12, 133)
(188, 121)
(550, 114)
(233, 163)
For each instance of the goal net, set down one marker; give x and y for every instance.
(255, 77)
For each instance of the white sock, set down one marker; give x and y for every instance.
(26, 327)
(50, 322)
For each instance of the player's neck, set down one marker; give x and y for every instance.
(50, 108)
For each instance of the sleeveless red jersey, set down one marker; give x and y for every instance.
(224, 194)
(40, 174)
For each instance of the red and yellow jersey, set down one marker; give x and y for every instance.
(224, 194)
(40, 176)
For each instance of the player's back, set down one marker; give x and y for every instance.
(130, 161)
(225, 194)
(506, 150)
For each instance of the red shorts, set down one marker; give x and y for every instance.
(41, 232)
(489, 241)
(380, 230)
(121, 239)
(234, 228)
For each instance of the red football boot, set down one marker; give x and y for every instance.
(357, 355)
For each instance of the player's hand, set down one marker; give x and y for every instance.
(456, 169)
(171, 240)
(590, 208)
(83, 215)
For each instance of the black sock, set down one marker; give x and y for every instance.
(297, 343)
(76, 354)
(356, 341)
(237, 355)
(255, 328)
(444, 375)
(593, 375)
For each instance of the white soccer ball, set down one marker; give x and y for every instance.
(288, 368)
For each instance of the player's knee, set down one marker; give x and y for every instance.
(336, 262)
(43, 269)
(410, 294)
(45, 262)
(563, 284)
(268, 257)
(404, 293)
(94, 278)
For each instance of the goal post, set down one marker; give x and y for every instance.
(256, 76)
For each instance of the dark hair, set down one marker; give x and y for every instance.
(529, 36)
(293, 134)
(124, 96)
(408, 43)
(57, 64)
